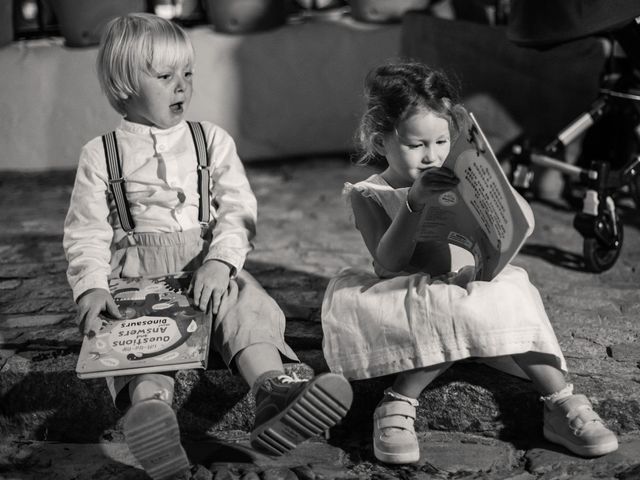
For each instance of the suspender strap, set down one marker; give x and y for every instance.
(116, 181)
(199, 140)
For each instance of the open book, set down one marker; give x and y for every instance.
(160, 330)
(482, 214)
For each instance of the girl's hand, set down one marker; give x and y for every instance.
(432, 180)
(209, 284)
(90, 304)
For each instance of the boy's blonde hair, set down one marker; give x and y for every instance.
(131, 45)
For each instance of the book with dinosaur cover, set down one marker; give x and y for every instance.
(483, 214)
(160, 330)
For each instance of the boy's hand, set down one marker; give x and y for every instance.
(432, 180)
(90, 304)
(209, 284)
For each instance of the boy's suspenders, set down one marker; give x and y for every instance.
(116, 180)
(200, 142)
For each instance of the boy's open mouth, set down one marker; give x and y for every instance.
(176, 107)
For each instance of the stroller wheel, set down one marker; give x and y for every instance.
(600, 256)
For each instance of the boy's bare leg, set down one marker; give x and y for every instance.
(151, 428)
(289, 410)
(257, 359)
(151, 385)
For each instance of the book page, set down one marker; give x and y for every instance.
(482, 213)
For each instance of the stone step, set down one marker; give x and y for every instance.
(229, 456)
(42, 398)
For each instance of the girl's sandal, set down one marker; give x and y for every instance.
(153, 437)
(394, 436)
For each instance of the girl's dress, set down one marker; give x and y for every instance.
(382, 323)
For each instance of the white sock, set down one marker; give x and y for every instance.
(389, 392)
(551, 399)
(265, 376)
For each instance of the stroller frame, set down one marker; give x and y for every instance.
(597, 221)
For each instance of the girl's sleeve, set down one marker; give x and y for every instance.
(369, 216)
(87, 231)
(234, 205)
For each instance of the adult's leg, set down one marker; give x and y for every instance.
(629, 39)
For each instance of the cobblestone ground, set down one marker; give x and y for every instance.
(474, 422)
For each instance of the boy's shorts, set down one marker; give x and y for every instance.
(247, 314)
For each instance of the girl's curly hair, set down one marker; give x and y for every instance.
(393, 92)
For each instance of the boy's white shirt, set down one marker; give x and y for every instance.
(158, 165)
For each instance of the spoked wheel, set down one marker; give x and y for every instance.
(602, 250)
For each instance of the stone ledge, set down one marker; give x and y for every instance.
(44, 400)
(228, 455)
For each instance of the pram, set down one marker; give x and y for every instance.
(602, 174)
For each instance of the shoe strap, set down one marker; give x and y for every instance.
(395, 408)
(582, 416)
(566, 392)
(286, 379)
(580, 412)
(395, 421)
(389, 392)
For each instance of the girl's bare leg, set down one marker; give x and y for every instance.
(546, 377)
(569, 419)
(394, 436)
(412, 383)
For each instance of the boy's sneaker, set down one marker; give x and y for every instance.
(153, 437)
(571, 422)
(290, 410)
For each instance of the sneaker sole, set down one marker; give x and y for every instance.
(583, 450)
(323, 403)
(153, 437)
(397, 458)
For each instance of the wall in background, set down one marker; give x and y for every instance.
(293, 91)
(536, 92)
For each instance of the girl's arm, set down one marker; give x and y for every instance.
(390, 242)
